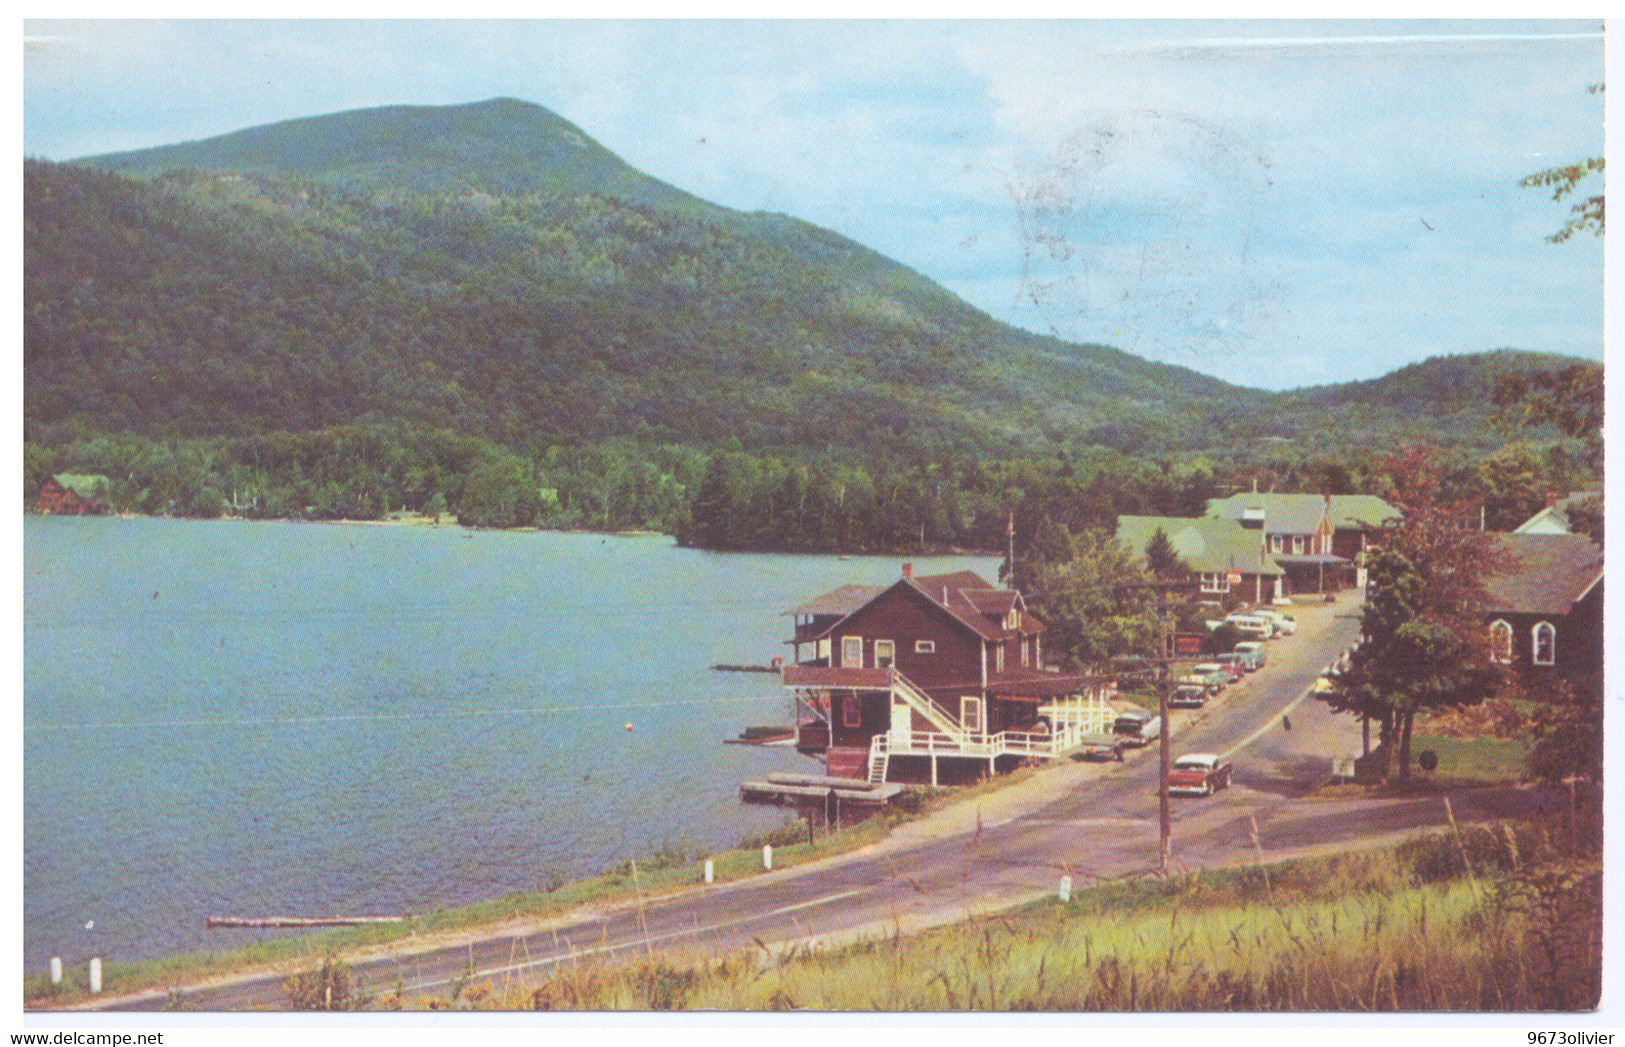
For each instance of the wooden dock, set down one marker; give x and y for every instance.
(789, 788)
(299, 921)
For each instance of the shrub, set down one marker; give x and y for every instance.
(327, 988)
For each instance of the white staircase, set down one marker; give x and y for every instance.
(879, 759)
(928, 707)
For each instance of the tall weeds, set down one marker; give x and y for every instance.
(1400, 929)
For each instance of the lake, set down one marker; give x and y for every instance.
(269, 718)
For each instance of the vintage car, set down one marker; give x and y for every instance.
(1251, 626)
(1232, 663)
(1253, 652)
(1285, 624)
(1104, 744)
(1137, 727)
(1188, 696)
(1198, 774)
(1211, 675)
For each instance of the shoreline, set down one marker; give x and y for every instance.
(417, 520)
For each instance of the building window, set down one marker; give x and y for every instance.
(851, 711)
(998, 658)
(1022, 647)
(1277, 543)
(1297, 543)
(885, 654)
(1215, 582)
(1036, 650)
(1501, 642)
(851, 652)
(970, 714)
(1545, 643)
(925, 647)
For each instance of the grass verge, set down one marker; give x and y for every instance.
(1504, 917)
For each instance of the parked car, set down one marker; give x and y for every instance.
(1232, 664)
(1253, 652)
(1284, 624)
(1104, 744)
(1249, 625)
(1211, 675)
(1189, 695)
(1137, 727)
(1198, 774)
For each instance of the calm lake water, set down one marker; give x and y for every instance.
(231, 718)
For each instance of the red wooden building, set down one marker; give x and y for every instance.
(934, 679)
(73, 495)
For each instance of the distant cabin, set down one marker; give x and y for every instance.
(74, 494)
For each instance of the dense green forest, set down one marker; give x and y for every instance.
(479, 310)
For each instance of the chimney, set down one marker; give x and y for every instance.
(1551, 499)
(908, 570)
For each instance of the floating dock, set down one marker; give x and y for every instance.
(789, 788)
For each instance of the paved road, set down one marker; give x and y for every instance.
(1096, 821)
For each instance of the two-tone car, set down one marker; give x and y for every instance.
(1198, 774)
(1232, 663)
(1210, 675)
(1252, 652)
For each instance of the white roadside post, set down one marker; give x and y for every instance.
(56, 970)
(95, 974)
(710, 871)
(1066, 889)
(767, 856)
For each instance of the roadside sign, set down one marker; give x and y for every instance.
(1234, 577)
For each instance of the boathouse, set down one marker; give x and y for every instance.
(933, 679)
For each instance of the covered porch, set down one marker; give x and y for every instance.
(878, 723)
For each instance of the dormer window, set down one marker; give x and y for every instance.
(1012, 619)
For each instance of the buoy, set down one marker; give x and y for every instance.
(629, 727)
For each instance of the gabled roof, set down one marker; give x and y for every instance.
(965, 595)
(1546, 573)
(85, 486)
(1554, 519)
(1205, 543)
(1348, 511)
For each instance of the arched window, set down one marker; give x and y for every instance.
(1545, 643)
(1501, 642)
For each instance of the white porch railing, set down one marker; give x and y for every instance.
(1071, 719)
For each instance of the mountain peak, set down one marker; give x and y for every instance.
(501, 145)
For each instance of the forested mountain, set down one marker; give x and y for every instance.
(382, 278)
(345, 269)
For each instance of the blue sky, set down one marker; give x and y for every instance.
(1275, 203)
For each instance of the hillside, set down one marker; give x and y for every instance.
(346, 270)
(489, 268)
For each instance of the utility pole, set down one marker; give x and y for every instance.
(1165, 816)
